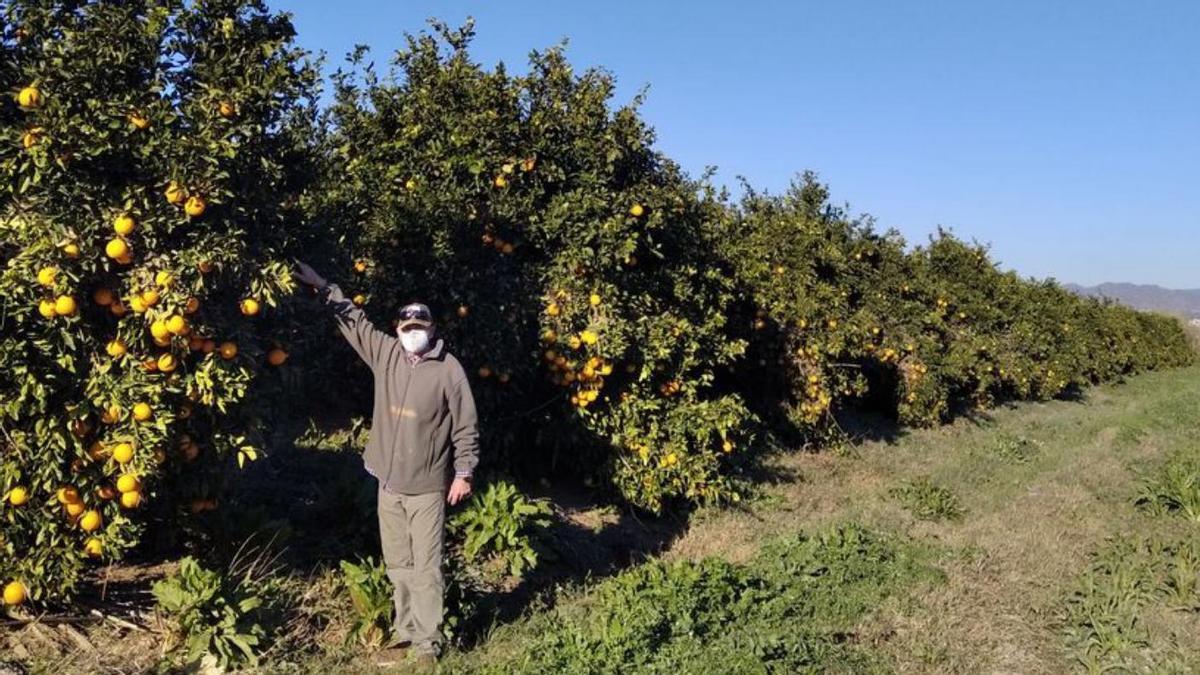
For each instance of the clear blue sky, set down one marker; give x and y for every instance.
(1066, 134)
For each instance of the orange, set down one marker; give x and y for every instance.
(124, 224)
(30, 138)
(162, 342)
(65, 305)
(276, 357)
(249, 307)
(128, 483)
(229, 350)
(553, 309)
(125, 259)
(528, 164)
(485, 372)
(123, 453)
(47, 275)
(137, 304)
(91, 521)
(175, 193)
(80, 428)
(501, 181)
(142, 412)
(594, 299)
(29, 97)
(106, 492)
(159, 329)
(71, 250)
(116, 248)
(150, 297)
(103, 297)
(463, 311)
(192, 305)
(360, 300)
(74, 509)
(138, 121)
(167, 363)
(360, 266)
(195, 206)
(227, 109)
(205, 266)
(163, 278)
(177, 325)
(18, 496)
(93, 548)
(46, 309)
(636, 210)
(14, 593)
(118, 308)
(130, 500)
(209, 347)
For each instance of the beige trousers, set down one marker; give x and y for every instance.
(412, 529)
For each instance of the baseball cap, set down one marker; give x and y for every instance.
(415, 314)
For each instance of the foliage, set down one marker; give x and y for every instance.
(371, 596)
(926, 500)
(789, 610)
(215, 612)
(1104, 621)
(1176, 487)
(145, 201)
(502, 523)
(563, 255)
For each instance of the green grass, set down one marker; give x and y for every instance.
(927, 501)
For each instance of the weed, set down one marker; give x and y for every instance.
(1175, 489)
(927, 501)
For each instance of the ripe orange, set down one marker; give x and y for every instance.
(636, 210)
(177, 325)
(485, 372)
(205, 266)
(227, 109)
(29, 97)
(30, 138)
(93, 547)
(67, 494)
(91, 521)
(507, 167)
(125, 259)
(360, 300)
(122, 453)
(360, 266)
(137, 304)
(276, 357)
(553, 309)
(124, 224)
(249, 307)
(150, 297)
(65, 305)
(175, 193)
(106, 492)
(410, 184)
(594, 299)
(117, 249)
(167, 363)
(71, 250)
(138, 121)
(118, 309)
(142, 412)
(158, 328)
(528, 164)
(111, 414)
(589, 337)
(463, 311)
(130, 500)
(128, 482)
(73, 510)
(210, 346)
(46, 309)
(150, 364)
(229, 350)
(192, 305)
(163, 278)
(47, 275)
(14, 593)
(195, 206)
(18, 496)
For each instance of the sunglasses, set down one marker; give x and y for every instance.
(420, 313)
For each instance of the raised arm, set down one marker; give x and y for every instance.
(370, 342)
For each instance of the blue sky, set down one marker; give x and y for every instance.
(1067, 134)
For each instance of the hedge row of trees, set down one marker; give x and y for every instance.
(622, 322)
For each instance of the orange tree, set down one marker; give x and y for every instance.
(564, 256)
(838, 315)
(151, 152)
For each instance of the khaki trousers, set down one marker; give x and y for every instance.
(412, 529)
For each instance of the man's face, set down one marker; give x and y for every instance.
(400, 332)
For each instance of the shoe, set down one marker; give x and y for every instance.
(390, 656)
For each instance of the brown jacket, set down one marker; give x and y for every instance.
(424, 426)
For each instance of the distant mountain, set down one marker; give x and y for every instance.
(1138, 296)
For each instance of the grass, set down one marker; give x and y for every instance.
(1040, 538)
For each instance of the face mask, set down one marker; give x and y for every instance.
(415, 341)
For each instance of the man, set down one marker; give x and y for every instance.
(423, 447)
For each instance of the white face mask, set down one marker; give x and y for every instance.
(415, 341)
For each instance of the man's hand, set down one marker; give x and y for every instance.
(460, 489)
(308, 275)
